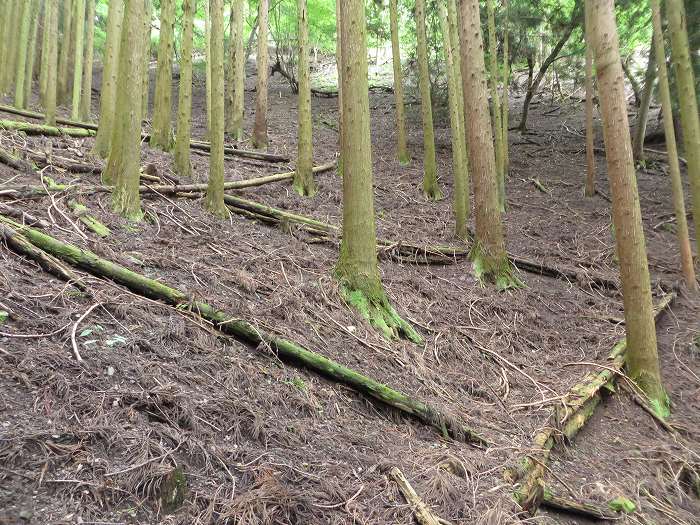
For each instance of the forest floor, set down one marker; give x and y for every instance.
(261, 441)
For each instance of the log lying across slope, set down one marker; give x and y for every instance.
(246, 332)
(578, 406)
(79, 129)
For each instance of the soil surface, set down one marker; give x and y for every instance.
(161, 400)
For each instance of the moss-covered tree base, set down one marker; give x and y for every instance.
(431, 190)
(369, 299)
(405, 159)
(497, 270)
(304, 185)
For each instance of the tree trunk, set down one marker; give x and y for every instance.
(590, 133)
(633, 82)
(304, 179)
(183, 166)
(51, 61)
(456, 106)
(642, 360)
(108, 89)
(64, 57)
(495, 104)
(214, 200)
(22, 44)
(505, 103)
(31, 52)
(357, 269)
(125, 155)
(489, 251)
(5, 14)
(43, 68)
(431, 190)
(643, 111)
(259, 138)
(401, 147)
(690, 121)
(207, 59)
(534, 85)
(146, 81)
(79, 29)
(86, 100)
(161, 134)
(674, 167)
(237, 71)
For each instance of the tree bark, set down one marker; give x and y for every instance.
(642, 359)
(86, 100)
(401, 146)
(146, 81)
(339, 66)
(505, 102)
(161, 134)
(183, 166)
(22, 44)
(303, 179)
(214, 200)
(690, 119)
(534, 85)
(64, 57)
(207, 58)
(644, 105)
(489, 252)
(51, 61)
(456, 107)
(237, 69)
(495, 104)
(125, 154)
(43, 68)
(259, 138)
(686, 253)
(79, 30)
(590, 132)
(108, 89)
(431, 190)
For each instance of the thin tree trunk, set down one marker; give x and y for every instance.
(495, 104)
(44, 56)
(260, 128)
(214, 200)
(125, 155)
(489, 251)
(431, 190)
(21, 65)
(534, 85)
(64, 57)
(79, 29)
(674, 167)
(86, 100)
(108, 88)
(644, 105)
(357, 269)
(161, 135)
(51, 61)
(236, 87)
(147, 60)
(690, 120)
(642, 359)
(207, 58)
(633, 82)
(339, 62)
(505, 102)
(12, 45)
(5, 13)
(304, 179)
(183, 166)
(31, 52)
(590, 132)
(456, 106)
(401, 146)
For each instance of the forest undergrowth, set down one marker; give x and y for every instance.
(168, 420)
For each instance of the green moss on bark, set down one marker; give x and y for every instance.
(498, 270)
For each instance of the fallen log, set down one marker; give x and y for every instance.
(248, 333)
(580, 508)
(90, 222)
(424, 515)
(10, 160)
(19, 244)
(78, 130)
(23, 216)
(40, 116)
(575, 410)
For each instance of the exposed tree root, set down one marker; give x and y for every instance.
(576, 408)
(248, 333)
(500, 272)
(18, 243)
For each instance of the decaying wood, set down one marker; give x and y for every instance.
(23, 216)
(576, 408)
(10, 160)
(248, 333)
(90, 222)
(19, 244)
(585, 509)
(422, 512)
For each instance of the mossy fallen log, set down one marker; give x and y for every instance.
(43, 129)
(575, 410)
(580, 508)
(10, 160)
(248, 333)
(90, 222)
(40, 116)
(19, 244)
